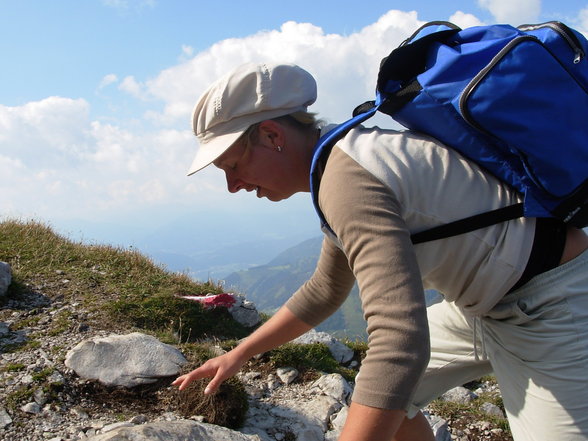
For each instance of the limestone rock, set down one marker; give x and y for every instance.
(492, 409)
(125, 360)
(4, 329)
(341, 352)
(335, 386)
(287, 375)
(439, 427)
(174, 431)
(5, 277)
(5, 419)
(459, 395)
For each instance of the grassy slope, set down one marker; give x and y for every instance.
(122, 288)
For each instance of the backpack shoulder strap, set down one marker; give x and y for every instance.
(468, 224)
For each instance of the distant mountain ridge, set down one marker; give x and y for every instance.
(270, 285)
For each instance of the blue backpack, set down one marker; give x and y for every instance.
(513, 100)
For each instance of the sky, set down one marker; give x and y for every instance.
(96, 96)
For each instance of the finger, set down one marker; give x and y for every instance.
(178, 380)
(184, 381)
(214, 384)
(200, 372)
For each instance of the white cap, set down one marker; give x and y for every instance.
(248, 95)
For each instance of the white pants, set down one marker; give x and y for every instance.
(536, 342)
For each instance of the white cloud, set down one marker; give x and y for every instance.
(583, 21)
(39, 133)
(513, 12)
(464, 20)
(107, 81)
(131, 86)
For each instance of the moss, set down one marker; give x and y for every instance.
(308, 357)
(43, 374)
(62, 322)
(25, 323)
(18, 397)
(12, 367)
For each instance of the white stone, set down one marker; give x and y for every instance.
(338, 419)
(5, 419)
(340, 352)
(125, 360)
(33, 408)
(492, 409)
(5, 278)
(439, 427)
(287, 375)
(114, 426)
(245, 312)
(334, 385)
(459, 395)
(174, 431)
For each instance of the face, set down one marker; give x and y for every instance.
(260, 168)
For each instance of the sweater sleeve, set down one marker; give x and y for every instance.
(365, 216)
(326, 290)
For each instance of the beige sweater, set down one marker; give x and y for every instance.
(377, 188)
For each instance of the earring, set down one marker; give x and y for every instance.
(279, 148)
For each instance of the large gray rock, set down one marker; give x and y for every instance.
(125, 360)
(341, 352)
(181, 430)
(5, 277)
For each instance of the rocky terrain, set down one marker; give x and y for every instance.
(64, 376)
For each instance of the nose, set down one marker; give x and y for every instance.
(234, 184)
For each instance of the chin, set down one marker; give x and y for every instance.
(275, 198)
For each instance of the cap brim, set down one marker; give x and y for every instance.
(211, 150)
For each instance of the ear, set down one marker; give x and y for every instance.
(271, 134)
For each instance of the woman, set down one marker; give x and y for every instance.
(514, 293)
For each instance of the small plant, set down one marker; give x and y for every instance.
(61, 322)
(42, 375)
(13, 367)
(19, 396)
(25, 323)
(227, 407)
(309, 357)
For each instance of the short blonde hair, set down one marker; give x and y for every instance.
(304, 121)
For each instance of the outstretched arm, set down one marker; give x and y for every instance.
(281, 328)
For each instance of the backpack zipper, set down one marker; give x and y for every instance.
(565, 32)
(474, 83)
(482, 74)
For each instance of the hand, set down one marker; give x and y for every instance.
(281, 328)
(219, 368)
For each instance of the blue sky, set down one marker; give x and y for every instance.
(97, 94)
